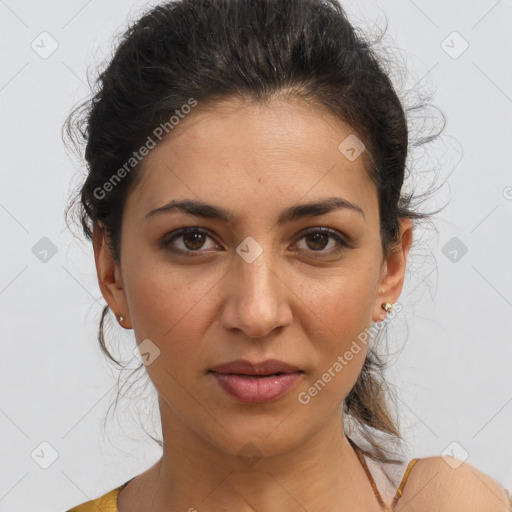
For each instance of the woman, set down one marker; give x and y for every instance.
(246, 162)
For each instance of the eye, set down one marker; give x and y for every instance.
(189, 241)
(317, 240)
(192, 239)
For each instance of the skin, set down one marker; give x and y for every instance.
(201, 311)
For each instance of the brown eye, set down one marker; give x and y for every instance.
(192, 240)
(318, 239)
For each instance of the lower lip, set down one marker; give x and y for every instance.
(247, 388)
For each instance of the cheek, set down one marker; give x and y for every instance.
(169, 307)
(341, 303)
(339, 314)
(159, 295)
(162, 313)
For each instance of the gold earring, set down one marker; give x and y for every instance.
(387, 307)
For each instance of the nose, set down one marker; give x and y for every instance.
(258, 297)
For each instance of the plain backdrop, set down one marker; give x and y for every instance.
(451, 366)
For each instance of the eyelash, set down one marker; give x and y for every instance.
(166, 241)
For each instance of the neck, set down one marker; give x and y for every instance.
(194, 474)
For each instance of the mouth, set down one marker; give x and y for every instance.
(256, 382)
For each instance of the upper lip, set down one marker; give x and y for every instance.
(244, 367)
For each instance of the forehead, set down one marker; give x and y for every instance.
(275, 152)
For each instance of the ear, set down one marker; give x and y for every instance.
(109, 276)
(393, 270)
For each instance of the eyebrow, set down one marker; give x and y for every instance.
(209, 211)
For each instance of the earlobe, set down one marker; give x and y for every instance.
(393, 271)
(109, 276)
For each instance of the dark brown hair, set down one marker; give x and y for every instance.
(212, 50)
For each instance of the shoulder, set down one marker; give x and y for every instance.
(105, 503)
(438, 484)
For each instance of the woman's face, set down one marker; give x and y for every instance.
(264, 285)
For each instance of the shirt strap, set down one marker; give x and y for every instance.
(400, 489)
(376, 492)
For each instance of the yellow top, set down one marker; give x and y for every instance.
(108, 502)
(105, 503)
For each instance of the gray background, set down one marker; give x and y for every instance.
(453, 352)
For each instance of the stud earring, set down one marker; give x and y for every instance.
(387, 307)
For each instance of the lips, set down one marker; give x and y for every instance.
(252, 382)
(244, 367)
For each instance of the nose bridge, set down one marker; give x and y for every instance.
(255, 275)
(257, 279)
